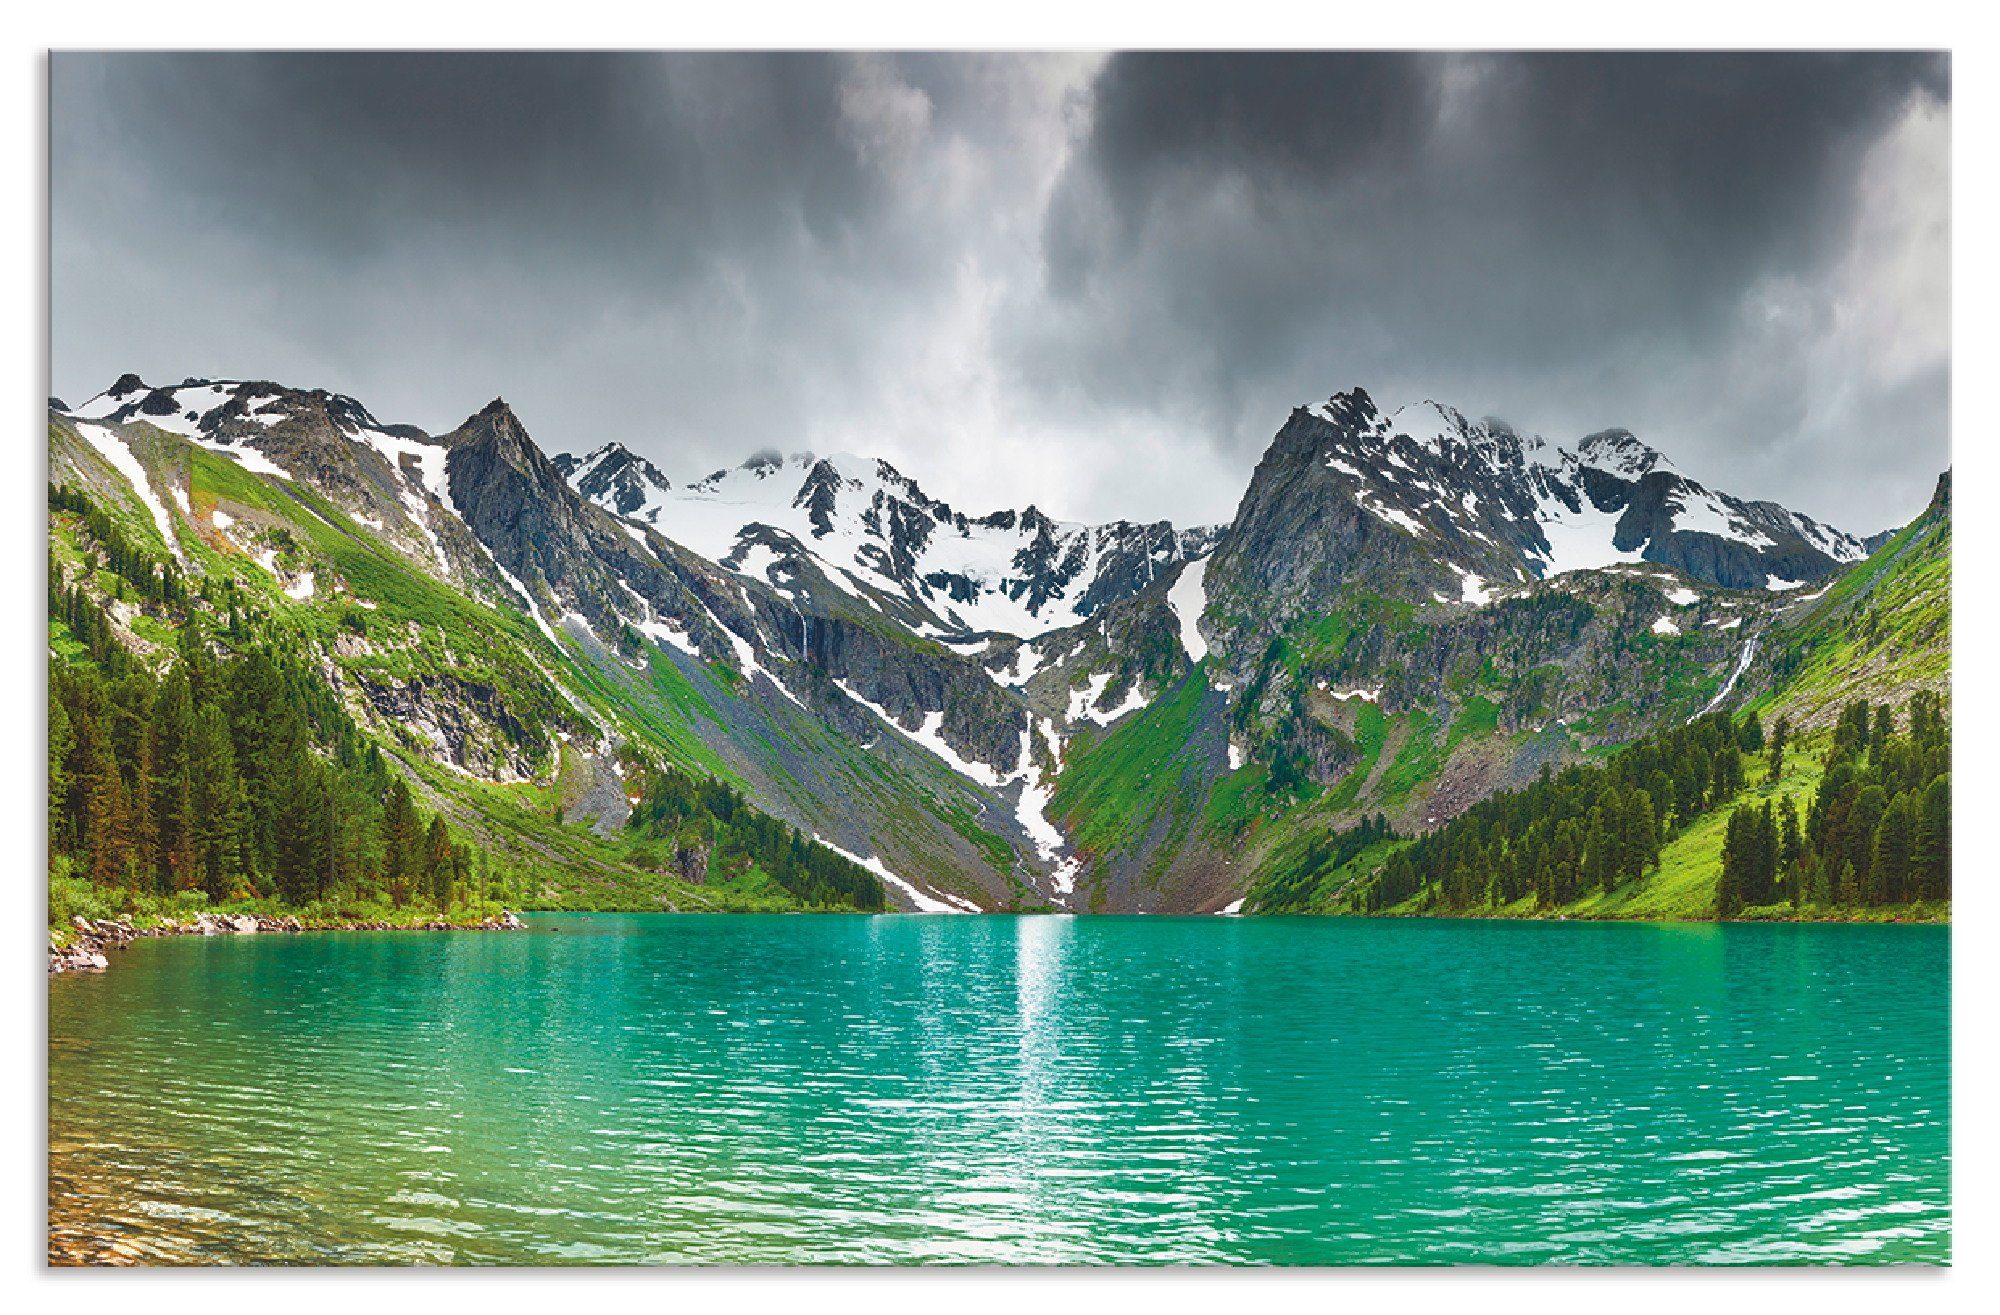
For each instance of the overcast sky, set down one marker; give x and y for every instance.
(1096, 284)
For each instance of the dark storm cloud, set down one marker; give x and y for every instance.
(1571, 240)
(1098, 283)
(683, 252)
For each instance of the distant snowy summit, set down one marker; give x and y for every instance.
(872, 531)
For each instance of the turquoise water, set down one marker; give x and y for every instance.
(636, 1089)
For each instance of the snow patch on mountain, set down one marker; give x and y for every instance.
(1393, 515)
(1367, 695)
(1472, 589)
(1581, 539)
(1189, 600)
(1701, 512)
(1027, 660)
(668, 634)
(534, 609)
(114, 449)
(1429, 471)
(247, 457)
(1083, 702)
(427, 460)
(1616, 452)
(928, 735)
(746, 657)
(1031, 811)
(925, 902)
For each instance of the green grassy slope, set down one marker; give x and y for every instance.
(377, 623)
(1880, 632)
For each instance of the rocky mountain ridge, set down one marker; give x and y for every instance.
(874, 531)
(1005, 710)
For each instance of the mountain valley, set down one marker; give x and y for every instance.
(1409, 611)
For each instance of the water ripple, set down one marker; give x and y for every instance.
(629, 1089)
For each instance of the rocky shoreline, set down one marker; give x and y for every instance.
(88, 951)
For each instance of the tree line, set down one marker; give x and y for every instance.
(1877, 831)
(153, 579)
(715, 832)
(235, 773)
(1587, 827)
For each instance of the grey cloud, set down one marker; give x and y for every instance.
(1099, 284)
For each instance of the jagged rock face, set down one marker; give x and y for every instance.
(459, 722)
(876, 533)
(564, 553)
(613, 478)
(1423, 505)
(979, 721)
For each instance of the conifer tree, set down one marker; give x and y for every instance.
(438, 863)
(1894, 842)
(1637, 839)
(1764, 874)
(172, 784)
(216, 803)
(1884, 730)
(1790, 845)
(1930, 859)
(61, 741)
(1862, 819)
(400, 841)
(108, 805)
(1736, 859)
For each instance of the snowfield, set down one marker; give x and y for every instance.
(1189, 600)
(1580, 540)
(712, 516)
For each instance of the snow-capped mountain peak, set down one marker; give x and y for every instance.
(872, 530)
(613, 476)
(1618, 452)
(1430, 424)
(1444, 507)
